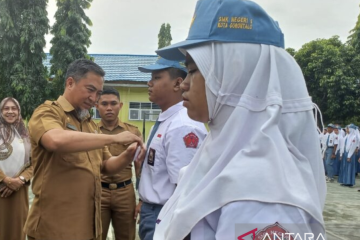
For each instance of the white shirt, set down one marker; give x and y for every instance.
(172, 147)
(333, 140)
(239, 218)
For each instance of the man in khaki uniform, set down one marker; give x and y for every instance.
(68, 154)
(118, 196)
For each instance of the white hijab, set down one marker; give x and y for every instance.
(352, 135)
(263, 144)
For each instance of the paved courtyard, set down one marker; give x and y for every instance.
(341, 213)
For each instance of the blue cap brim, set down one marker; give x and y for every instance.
(153, 67)
(172, 52)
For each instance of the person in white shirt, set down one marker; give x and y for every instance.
(330, 149)
(259, 171)
(171, 145)
(339, 139)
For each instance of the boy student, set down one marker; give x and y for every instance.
(172, 143)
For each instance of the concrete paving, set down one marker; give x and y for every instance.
(341, 213)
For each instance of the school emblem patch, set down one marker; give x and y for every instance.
(191, 140)
(273, 232)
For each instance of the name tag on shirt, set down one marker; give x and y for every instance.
(72, 127)
(151, 157)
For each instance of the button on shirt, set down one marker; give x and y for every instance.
(66, 186)
(173, 146)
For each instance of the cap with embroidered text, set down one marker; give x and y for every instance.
(234, 21)
(161, 64)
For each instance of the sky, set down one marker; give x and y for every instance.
(132, 26)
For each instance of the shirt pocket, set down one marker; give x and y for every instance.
(78, 157)
(155, 156)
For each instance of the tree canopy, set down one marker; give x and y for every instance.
(71, 39)
(23, 25)
(164, 36)
(330, 78)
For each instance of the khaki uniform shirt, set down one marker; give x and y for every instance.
(66, 186)
(117, 149)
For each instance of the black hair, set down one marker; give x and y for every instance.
(110, 90)
(175, 73)
(80, 67)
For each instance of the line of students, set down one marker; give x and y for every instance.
(341, 153)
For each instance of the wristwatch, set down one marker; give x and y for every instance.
(22, 179)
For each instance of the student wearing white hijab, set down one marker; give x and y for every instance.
(259, 171)
(348, 165)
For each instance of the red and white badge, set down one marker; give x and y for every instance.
(191, 140)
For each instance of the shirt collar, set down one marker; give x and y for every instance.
(119, 124)
(170, 111)
(64, 103)
(67, 107)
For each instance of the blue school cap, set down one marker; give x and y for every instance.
(162, 64)
(232, 21)
(352, 126)
(331, 125)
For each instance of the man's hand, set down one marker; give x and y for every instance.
(348, 160)
(127, 138)
(5, 191)
(333, 156)
(137, 211)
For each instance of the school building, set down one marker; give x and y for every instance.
(122, 73)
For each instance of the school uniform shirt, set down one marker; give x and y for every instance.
(66, 186)
(333, 140)
(339, 140)
(246, 219)
(173, 146)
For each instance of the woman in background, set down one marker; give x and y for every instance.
(15, 171)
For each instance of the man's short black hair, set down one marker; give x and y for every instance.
(111, 90)
(175, 73)
(80, 67)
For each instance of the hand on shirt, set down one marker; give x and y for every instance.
(127, 138)
(348, 160)
(333, 156)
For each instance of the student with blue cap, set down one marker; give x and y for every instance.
(256, 173)
(172, 143)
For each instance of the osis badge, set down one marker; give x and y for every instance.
(191, 140)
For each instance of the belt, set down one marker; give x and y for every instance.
(113, 186)
(330, 147)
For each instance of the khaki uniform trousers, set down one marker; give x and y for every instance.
(119, 206)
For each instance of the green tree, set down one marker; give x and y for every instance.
(10, 12)
(291, 51)
(71, 39)
(164, 36)
(354, 37)
(331, 81)
(23, 27)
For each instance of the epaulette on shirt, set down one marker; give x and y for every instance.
(48, 102)
(130, 125)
